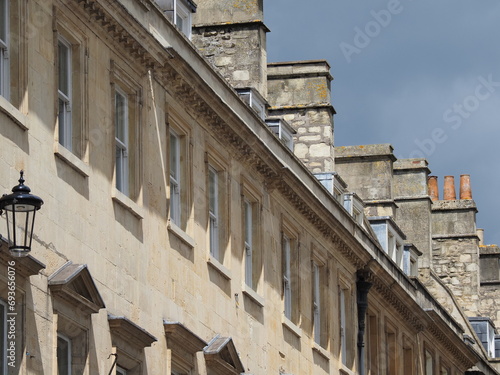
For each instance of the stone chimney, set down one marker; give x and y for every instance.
(233, 37)
(455, 256)
(480, 235)
(299, 92)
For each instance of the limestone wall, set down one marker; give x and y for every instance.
(217, 11)
(300, 92)
(414, 205)
(368, 170)
(237, 51)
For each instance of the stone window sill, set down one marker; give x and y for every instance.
(219, 267)
(128, 204)
(345, 371)
(321, 351)
(180, 234)
(71, 159)
(291, 326)
(19, 118)
(253, 295)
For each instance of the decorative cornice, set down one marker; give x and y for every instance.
(199, 107)
(450, 344)
(390, 297)
(117, 32)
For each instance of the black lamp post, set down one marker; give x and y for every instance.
(20, 208)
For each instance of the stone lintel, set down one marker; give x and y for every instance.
(454, 205)
(344, 154)
(489, 250)
(297, 69)
(411, 164)
(25, 266)
(242, 24)
(455, 236)
(294, 108)
(130, 332)
(380, 202)
(413, 198)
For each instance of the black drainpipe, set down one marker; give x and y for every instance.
(362, 288)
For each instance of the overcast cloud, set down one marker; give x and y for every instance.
(423, 76)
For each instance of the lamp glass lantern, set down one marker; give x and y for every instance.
(20, 208)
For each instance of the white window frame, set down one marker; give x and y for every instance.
(65, 98)
(175, 178)
(120, 371)
(182, 13)
(429, 363)
(122, 145)
(3, 322)
(5, 50)
(287, 277)
(248, 233)
(213, 211)
(343, 338)
(316, 302)
(68, 341)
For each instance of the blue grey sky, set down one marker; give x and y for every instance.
(423, 76)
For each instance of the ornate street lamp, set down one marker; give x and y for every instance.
(20, 208)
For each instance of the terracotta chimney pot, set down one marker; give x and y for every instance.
(449, 188)
(465, 190)
(432, 188)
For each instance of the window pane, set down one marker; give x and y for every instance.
(343, 333)
(63, 356)
(64, 68)
(287, 292)
(174, 156)
(213, 190)
(179, 21)
(248, 223)
(120, 117)
(4, 20)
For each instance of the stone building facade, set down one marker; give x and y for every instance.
(179, 233)
(456, 267)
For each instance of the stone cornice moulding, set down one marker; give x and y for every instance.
(178, 77)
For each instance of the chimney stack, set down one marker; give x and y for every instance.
(480, 234)
(465, 190)
(449, 188)
(432, 188)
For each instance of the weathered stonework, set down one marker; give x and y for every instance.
(237, 50)
(368, 170)
(414, 212)
(300, 93)
(115, 273)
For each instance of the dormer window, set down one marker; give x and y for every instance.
(254, 100)
(354, 205)
(485, 331)
(180, 13)
(390, 237)
(284, 131)
(333, 183)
